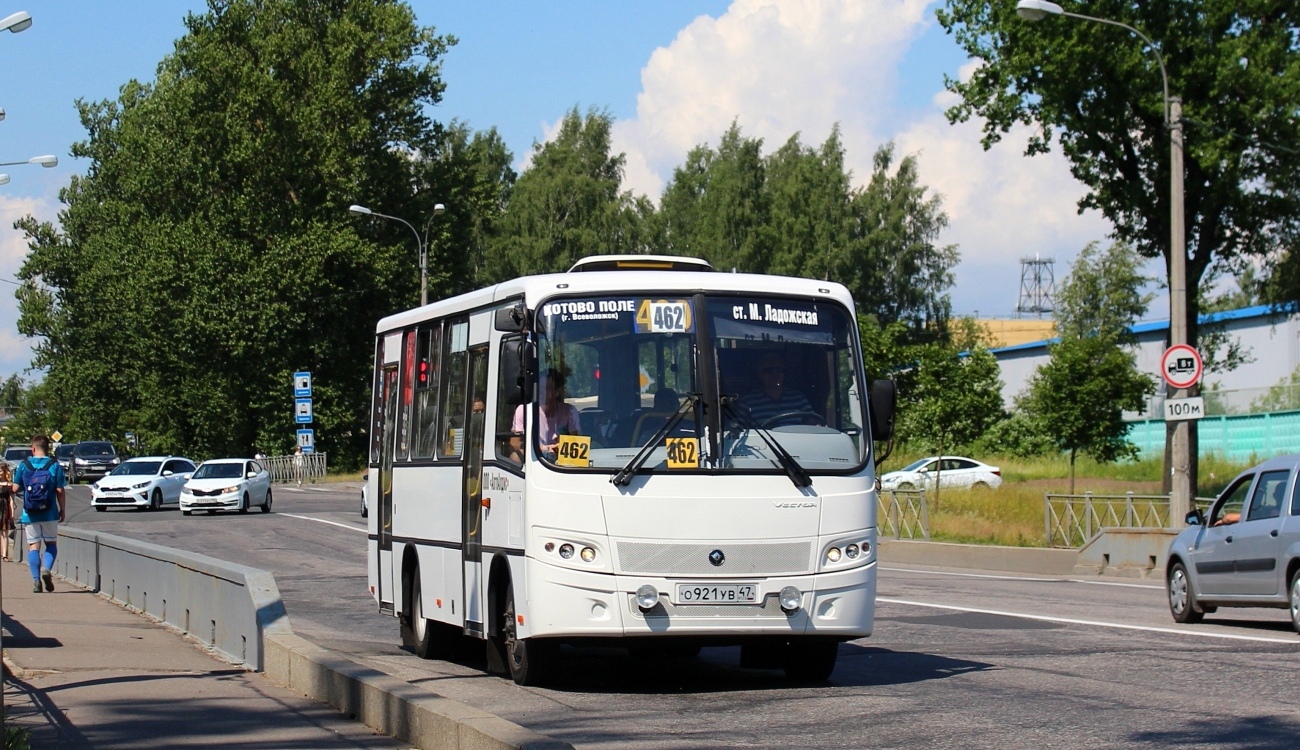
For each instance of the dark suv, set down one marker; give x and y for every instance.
(93, 458)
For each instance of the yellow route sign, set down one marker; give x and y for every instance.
(683, 452)
(573, 450)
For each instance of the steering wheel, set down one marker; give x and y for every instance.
(801, 417)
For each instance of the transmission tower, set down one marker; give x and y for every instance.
(1037, 287)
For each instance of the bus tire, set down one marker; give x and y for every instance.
(528, 659)
(810, 659)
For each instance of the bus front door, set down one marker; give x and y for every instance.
(472, 497)
(384, 511)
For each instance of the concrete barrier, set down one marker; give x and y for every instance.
(978, 556)
(237, 612)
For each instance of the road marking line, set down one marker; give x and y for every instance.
(1094, 623)
(331, 523)
(1025, 578)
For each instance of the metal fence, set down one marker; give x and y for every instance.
(285, 468)
(903, 514)
(1073, 520)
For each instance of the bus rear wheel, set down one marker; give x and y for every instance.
(529, 659)
(810, 659)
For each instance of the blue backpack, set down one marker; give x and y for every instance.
(38, 486)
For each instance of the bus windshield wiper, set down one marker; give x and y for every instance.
(624, 474)
(797, 473)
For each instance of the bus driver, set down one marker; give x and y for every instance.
(554, 418)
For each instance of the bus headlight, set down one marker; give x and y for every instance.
(587, 554)
(833, 555)
(851, 551)
(566, 551)
(647, 597)
(790, 598)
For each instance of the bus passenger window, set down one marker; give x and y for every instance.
(509, 444)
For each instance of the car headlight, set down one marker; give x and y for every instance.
(79, 461)
(230, 489)
(140, 486)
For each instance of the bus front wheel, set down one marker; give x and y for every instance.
(529, 659)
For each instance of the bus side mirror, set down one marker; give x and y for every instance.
(883, 395)
(511, 319)
(518, 370)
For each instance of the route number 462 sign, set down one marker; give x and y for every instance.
(1181, 366)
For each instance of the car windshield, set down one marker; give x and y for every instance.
(64, 451)
(137, 468)
(220, 471)
(94, 449)
(628, 374)
(17, 454)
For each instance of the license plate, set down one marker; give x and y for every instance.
(717, 593)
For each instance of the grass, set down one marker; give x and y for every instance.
(1012, 515)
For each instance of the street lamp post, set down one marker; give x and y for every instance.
(46, 161)
(16, 22)
(1179, 440)
(422, 242)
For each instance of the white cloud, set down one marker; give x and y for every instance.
(15, 349)
(781, 67)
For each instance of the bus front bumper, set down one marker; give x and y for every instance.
(578, 604)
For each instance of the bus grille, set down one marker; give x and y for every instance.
(770, 608)
(782, 558)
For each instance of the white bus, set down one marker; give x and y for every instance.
(639, 449)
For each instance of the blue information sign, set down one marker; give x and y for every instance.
(307, 440)
(302, 410)
(302, 384)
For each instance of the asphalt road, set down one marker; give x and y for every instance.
(957, 658)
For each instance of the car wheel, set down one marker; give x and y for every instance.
(906, 486)
(266, 506)
(529, 659)
(100, 508)
(1295, 600)
(980, 486)
(155, 502)
(243, 503)
(1182, 600)
(811, 659)
(186, 512)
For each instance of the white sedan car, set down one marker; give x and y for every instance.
(952, 471)
(227, 484)
(148, 482)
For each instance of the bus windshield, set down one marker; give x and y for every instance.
(716, 382)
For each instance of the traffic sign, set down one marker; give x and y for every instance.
(302, 410)
(56, 436)
(302, 384)
(1184, 408)
(307, 440)
(1181, 366)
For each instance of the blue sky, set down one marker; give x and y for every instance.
(672, 74)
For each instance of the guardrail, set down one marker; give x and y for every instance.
(903, 514)
(1073, 520)
(285, 468)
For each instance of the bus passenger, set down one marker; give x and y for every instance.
(554, 418)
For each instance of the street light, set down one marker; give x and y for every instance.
(16, 22)
(1179, 441)
(422, 243)
(46, 161)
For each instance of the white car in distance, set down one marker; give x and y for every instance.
(951, 471)
(227, 484)
(146, 482)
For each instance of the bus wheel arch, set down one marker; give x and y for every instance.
(498, 584)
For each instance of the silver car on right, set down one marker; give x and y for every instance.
(1246, 552)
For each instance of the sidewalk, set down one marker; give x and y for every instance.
(82, 672)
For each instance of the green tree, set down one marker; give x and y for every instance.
(208, 252)
(567, 204)
(1102, 295)
(1078, 398)
(1094, 86)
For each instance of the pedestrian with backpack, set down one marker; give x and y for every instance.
(40, 479)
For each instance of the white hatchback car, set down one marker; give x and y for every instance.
(147, 482)
(227, 484)
(952, 471)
